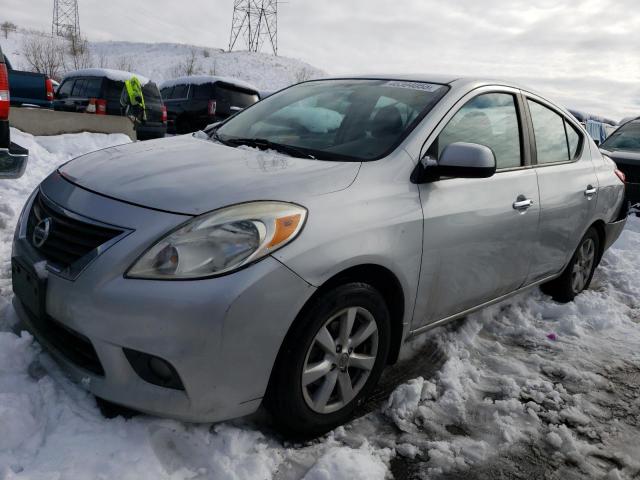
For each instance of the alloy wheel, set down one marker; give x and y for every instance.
(339, 360)
(583, 265)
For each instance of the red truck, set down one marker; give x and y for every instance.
(13, 157)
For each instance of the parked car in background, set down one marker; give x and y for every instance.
(29, 88)
(13, 158)
(197, 278)
(197, 101)
(623, 147)
(99, 91)
(597, 126)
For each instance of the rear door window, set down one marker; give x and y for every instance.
(556, 139)
(79, 88)
(65, 89)
(166, 93)
(491, 120)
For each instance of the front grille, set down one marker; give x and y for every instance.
(632, 172)
(74, 346)
(69, 238)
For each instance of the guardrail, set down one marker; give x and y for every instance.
(42, 121)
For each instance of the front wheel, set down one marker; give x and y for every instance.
(577, 276)
(330, 361)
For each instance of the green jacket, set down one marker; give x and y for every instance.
(134, 92)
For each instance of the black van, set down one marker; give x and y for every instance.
(195, 102)
(97, 90)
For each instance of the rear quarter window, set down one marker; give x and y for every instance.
(114, 90)
(235, 97)
(202, 92)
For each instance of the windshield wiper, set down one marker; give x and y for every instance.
(263, 143)
(214, 134)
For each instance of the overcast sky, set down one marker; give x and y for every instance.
(585, 54)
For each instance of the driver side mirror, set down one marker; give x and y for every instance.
(462, 160)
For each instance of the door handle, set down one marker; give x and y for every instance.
(590, 191)
(522, 204)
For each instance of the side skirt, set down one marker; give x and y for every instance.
(439, 323)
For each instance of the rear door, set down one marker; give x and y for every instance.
(478, 232)
(84, 89)
(568, 186)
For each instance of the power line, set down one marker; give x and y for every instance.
(254, 23)
(66, 21)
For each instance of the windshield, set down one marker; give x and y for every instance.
(626, 137)
(335, 119)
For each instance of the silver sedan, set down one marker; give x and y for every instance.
(284, 256)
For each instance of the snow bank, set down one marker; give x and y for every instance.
(164, 61)
(116, 75)
(202, 79)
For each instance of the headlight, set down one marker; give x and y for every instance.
(221, 241)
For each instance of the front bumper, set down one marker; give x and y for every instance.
(221, 335)
(13, 161)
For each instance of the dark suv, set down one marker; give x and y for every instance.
(197, 101)
(623, 146)
(99, 91)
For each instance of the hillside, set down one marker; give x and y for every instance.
(162, 61)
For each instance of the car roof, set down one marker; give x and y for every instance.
(115, 75)
(443, 79)
(205, 79)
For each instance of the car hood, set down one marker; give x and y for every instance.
(188, 175)
(622, 156)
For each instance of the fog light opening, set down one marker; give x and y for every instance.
(154, 369)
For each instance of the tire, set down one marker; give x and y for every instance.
(577, 276)
(309, 408)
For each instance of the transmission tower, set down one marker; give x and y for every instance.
(66, 21)
(254, 22)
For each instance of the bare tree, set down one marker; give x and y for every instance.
(8, 27)
(304, 74)
(189, 66)
(102, 60)
(124, 63)
(79, 53)
(44, 54)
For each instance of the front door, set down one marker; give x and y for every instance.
(478, 233)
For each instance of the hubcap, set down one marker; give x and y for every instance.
(339, 360)
(583, 265)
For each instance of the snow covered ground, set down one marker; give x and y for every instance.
(525, 389)
(161, 61)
